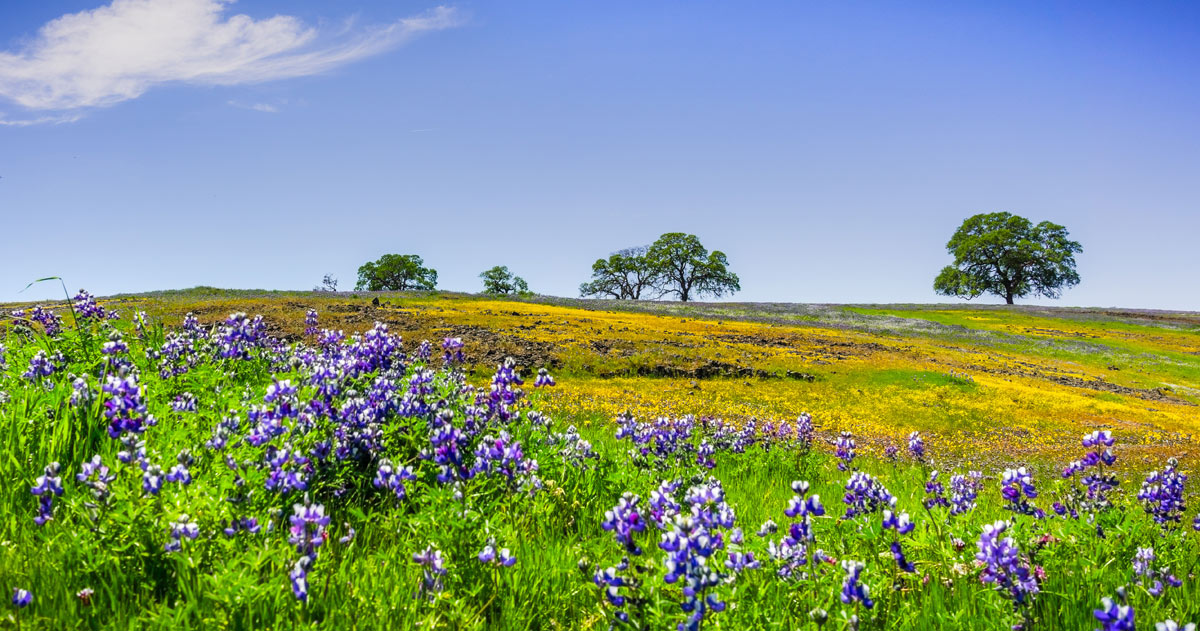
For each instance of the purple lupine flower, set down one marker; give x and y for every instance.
(389, 477)
(690, 540)
(124, 408)
(741, 561)
(865, 495)
(182, 528)
(239, 335)
(853, 589)
(152, 478)
(611, 582)
(330, 339)
(86, 307)
(140, 322)
(688, 546)
(349, 536)
(307, 531)
(96, 476)
(704, 455)
(46, 487)
(804, 431)
(964, 489)
(21, 598)
(891, 453)
(310, 322)
(132, 449)
(425, 350)
(299, 578)
(81, 393)
(191, 325)
(452, 350)
(845, 451)
(41, 366)
(573, 449)
(792, 550)
(916, 446)
(3, 358)
(177, 355)
(901, 561)
(245, 524)
(935, 492)
(899, 522)
(179, 472)
(114, 351)
(1114, 617)
(434, 566)
(1149, 576)
(447, 444)
(51, 322)
(663, 506)
(1171, 625)
(224, 430)
(499, 455)
(1162, 494)
(1002, 564)
(624, 520)
(902, 525)
(502, 558)
(185, 402)
(1016, 485)
(543, 379)
(1097, 481)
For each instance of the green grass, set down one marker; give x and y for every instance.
(372, 582)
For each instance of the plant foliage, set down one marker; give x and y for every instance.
(1008, 256)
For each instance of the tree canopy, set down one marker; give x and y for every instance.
(624, 275)
(676, 264)
(499, 280)
(1008, 256)
(396, 272)
(686, 269)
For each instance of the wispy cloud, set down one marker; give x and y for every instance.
(41, 120)
(257, 107)
(118, 52)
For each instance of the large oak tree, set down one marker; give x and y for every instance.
(686, 269)
(1008, 256)
(396, 272)
(624, 275)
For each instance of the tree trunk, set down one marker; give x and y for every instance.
(1008, 299)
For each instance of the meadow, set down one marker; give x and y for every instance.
(176, 460)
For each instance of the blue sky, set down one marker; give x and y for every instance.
(830, 149)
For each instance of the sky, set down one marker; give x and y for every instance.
(829, 149)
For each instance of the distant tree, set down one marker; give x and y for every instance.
(685, 268)
(1008, 256)
(396, 272)
(624, 275)
(499, 280)
(328, 283)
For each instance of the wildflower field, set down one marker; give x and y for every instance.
(249, 460)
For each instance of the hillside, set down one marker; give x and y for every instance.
(990, 382)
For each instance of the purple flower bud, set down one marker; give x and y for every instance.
(21, 598)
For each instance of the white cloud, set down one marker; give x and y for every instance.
(118, 52)
(258, 107)
(41, 120)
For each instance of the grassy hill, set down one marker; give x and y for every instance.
(208, 476)
(991, 383)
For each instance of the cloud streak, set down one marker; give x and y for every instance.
(118, 52)
(257, 107)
